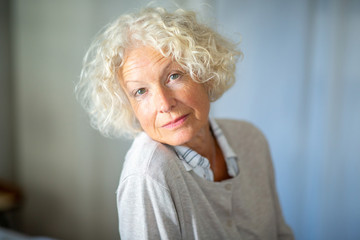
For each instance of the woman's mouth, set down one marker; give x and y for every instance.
(177, 122)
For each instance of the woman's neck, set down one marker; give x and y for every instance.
(204, 143)
(207, 146)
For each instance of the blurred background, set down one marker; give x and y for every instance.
(299, 82)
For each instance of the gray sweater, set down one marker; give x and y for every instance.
(158, 199)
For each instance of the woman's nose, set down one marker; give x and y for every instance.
(164, 101)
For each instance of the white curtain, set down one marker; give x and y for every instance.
(300, 83)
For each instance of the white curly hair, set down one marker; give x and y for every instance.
(207, 56)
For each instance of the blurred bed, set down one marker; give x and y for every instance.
(6, 234)
(10, 200)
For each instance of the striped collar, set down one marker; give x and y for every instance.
(200, 165)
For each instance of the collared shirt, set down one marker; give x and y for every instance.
(201, 165)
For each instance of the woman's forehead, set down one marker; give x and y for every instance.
(145, 59)
(143, 56)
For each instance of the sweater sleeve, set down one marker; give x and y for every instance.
(146, 210)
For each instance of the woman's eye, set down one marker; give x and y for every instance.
(140, 91)
(174, 76)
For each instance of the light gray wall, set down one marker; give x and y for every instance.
(68, 171)
(6, 98)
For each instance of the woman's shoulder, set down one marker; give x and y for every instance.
(239, 128)
(244, 137)
(149, 158)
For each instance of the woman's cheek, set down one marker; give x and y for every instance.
(145, 110)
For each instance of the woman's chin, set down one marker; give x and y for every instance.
(176, 139)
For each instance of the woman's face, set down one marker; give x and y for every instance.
(169, 105)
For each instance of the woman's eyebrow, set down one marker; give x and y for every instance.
(169, 66)
(163, 72)
(166, 68)
(132, 81)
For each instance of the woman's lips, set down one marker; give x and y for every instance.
(177, 122)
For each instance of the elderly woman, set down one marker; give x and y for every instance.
(152, 75)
